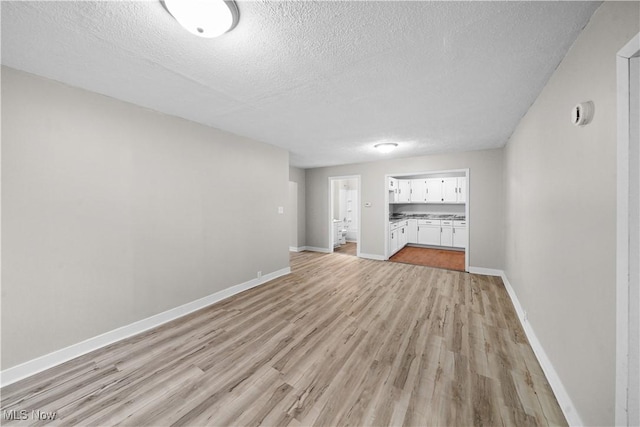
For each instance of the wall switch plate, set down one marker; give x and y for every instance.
(280, 209)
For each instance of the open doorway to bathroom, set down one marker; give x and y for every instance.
(344, 215)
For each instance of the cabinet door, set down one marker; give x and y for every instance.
(449, 190)
(459, 237)
(446, 236)
(393, 183)
(412, 234)
(404, 191)
(429, 235)
(433, 190)
(403, 237)
(418, 190)
(393, 242)
(462, 190)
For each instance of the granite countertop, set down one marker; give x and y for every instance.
(429, 216)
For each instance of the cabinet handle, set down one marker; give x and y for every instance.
(456, 190)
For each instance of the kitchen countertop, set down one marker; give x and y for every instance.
(453, 217)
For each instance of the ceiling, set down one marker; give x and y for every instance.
(324, 80)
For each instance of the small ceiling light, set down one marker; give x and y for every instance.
(386, 147)
(204, 18)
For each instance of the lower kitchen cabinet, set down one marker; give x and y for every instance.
(412, 231)
(459, 234)
(446, 233)
(393, 242)
(403, 236)
(429, 232)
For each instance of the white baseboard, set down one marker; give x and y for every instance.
(24, 370)
(486, 271)
(565, 402)
(316, 249)
(294, 249)
(372, 256)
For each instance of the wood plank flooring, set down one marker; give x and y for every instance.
(349, 248)
(341, 341)
(439, 258)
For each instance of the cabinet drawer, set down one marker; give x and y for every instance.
(459, 223)
(428, 222)
(394, 226)
(447, 222)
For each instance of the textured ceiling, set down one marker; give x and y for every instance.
(325, 80)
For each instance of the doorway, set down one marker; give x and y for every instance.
(628, 237)
(344, 215)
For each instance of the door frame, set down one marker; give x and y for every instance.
(626, 192)
(433, 172)
(330, 214)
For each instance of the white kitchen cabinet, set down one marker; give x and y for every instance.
(418, 190)
(397, 236)
(404, 191)
(446, 233)
(393, 184)
(462, 190)
(459, 234)
(403, 235)
(412, 231)
(433, 190)
(393, 190)
(393, 242)
(446, 190)
(429, 232)
(449, 190)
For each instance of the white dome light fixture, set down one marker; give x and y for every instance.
(385, 147)
(204, 18)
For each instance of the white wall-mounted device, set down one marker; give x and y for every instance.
(582, 113)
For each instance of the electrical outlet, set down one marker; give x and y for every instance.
(525, 316)
(259, 274)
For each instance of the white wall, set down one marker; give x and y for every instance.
(297, 175)
(485, 190)
(293, 215)
(113, 213)
(560, 189)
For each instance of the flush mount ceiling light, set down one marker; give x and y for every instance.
(204, 18)
(385, 147)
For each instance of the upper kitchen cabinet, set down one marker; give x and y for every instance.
(393, 184)
(404, 191)
(425, 189)
(433, 190)
(454, 190)
(418, 190)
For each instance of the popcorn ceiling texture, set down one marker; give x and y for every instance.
(324, 80)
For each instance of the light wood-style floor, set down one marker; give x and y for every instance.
(349, 248)
(341, 341)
